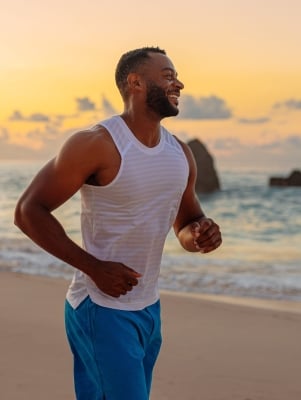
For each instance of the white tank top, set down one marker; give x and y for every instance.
(128, 220)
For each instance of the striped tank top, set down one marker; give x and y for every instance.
(128, 220)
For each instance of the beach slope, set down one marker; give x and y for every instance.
(213, 348)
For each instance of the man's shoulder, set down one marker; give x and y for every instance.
(96, 135)
(89, 151)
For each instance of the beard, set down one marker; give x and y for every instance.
(157, 101)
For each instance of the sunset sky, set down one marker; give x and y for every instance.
(240, 62)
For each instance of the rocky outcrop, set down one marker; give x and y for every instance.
(294, 179)
(207, 178)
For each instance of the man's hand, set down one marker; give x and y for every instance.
(114, 279)
(206, 235)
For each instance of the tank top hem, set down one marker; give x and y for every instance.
(117, 305)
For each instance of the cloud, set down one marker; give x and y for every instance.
(282, 153)
(291, 104)
(36, 117)
(16, 116)
(290, 142)
(11, 150)
(60, 118)
(260, 120)
(227, 144)
(211, 107)
(231, 145)
(294, 140)
(85, 104)
(41, 142)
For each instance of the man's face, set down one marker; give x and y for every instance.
(162, 86)
(158, 101)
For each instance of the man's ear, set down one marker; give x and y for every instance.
(134, 81)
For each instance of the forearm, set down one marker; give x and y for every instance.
(46, 231)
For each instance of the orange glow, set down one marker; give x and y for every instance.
(246, 53)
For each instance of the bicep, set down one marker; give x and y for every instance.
(51, 187)
(61, 177)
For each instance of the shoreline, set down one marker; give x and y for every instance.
(214, 348)
(291, 306)
(254, 302)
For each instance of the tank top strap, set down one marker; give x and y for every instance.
(116, 129)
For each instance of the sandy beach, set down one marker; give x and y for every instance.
(214, 348)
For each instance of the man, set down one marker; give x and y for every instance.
(136, 182)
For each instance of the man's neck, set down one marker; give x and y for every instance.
(145, 128)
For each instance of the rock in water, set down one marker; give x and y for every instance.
(207, 178)
(294, 179)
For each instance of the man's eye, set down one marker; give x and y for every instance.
(169, 77)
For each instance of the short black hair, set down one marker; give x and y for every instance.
(129, 62)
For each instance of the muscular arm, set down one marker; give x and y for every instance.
(83, 155)
(194, 230)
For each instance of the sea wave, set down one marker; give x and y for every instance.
(180, 271)
(260, 255)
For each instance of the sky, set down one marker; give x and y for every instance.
(240, 62)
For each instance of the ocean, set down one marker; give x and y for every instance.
(261, 226)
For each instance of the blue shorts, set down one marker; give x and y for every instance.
(114, 351)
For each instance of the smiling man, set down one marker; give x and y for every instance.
(136, 182)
